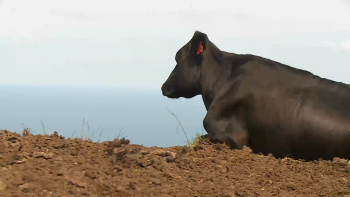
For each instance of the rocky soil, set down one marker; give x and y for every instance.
(42, 165)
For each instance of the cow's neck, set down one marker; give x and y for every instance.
(213, 75)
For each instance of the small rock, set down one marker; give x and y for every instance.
(120, 153)
(13, 139)
(168, 175)
(59, 173)
(149, 168)
(168, 153)
(144, 162)
(217, 147)
(216, 160)
(76, 182)
(59, 144)
(120, 188)
(158, 152)
(337, 160)
(20, 162)
(134, 157)
(155, 181)
(113, 159)
(115, 143)
(42, 154)
(184, 150)
(223, 170)
(15, 145)
(163, 153)
(91, 175)
(132, 186)
(247, 149)
(134, 151)
(24, 187)
(74, 152)
(170, 159)
(48, 156)
(144, 152)
(118, 167)
(125, 141)
(55, 134)
(59, 158)
(38, 154)
(197, 147)
(3, 132)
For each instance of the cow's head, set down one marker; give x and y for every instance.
(184, 80)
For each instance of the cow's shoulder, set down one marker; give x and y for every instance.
(239, 59)
(267, 63)
(243, 59)
(241, 63)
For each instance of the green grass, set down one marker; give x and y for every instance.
(85, 133)
(195, 141)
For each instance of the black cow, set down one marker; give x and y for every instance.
(265, 105)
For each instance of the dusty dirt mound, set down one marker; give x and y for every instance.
(53, 166)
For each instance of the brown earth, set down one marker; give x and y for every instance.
(42, 165)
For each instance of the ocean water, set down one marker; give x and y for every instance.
(140, 115)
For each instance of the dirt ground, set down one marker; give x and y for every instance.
(42, 165)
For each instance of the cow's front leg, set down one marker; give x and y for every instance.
(228, 130)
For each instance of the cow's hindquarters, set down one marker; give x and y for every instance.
(302, 123)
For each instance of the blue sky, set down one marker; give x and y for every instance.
(133, 43)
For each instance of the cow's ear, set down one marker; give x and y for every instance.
(199, 48)
(199, 41)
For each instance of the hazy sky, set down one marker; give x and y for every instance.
(132, 43)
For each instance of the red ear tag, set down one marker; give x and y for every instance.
(199, 48)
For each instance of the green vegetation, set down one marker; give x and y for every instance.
(195, 141)
(85, 133)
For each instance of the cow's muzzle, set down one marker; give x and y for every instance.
(168, 91)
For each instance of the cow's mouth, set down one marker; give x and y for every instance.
(175, 93)
(170, 93)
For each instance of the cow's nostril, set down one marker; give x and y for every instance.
(168, 92)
